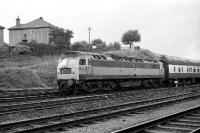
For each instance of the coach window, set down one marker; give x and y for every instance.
(82, 62)
(194, 70)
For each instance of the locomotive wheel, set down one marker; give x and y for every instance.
(155, 84)
(106, 86)
(99, 86)
(146, 84)
(79, 91)
(86, 87)
(113, 85)
(63, 88)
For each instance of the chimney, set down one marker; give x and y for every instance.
(18, 21)
(41, 18)
(1, 34)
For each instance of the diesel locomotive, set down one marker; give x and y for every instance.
(91, 72)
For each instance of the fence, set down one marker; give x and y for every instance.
(7, 57)
(14, 54)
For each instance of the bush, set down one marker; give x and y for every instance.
(39, 49)
(3, 50)
(21, 50)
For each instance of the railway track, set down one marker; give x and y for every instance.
(23, 95)
(15, 93)
(187, 121)
(35, 94)
(7, 108)
(64, 122)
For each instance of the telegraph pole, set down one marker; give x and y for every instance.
(89, 28)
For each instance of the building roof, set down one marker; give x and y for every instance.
(1, 27)
(37, 23)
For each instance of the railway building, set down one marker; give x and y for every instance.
(37, 30)
(2, 36)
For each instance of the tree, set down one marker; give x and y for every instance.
(98, 41)
(130, 37)
(113, 46)
(61, 38)
(100, 45)
(81, 46)
(117, 45)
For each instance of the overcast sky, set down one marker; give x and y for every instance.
(170, 27)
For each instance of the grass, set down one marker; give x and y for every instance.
(29, 72)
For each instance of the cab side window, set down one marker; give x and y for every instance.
(82, 62)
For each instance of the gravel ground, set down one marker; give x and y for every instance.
(126, 121)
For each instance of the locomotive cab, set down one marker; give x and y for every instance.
(67, 73)
(68, 68)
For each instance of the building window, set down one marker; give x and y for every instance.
(25, 38)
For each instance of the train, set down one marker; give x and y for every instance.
(86, 72)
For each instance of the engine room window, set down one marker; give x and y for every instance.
(174, 69)
(82, 62)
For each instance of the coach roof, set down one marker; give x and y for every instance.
(181, 61)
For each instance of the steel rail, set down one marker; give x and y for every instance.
(52, 103)
(160, 124)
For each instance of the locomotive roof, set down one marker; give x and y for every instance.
(108, 56)
(79, 53)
